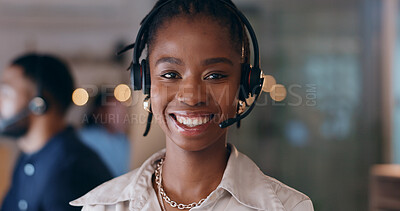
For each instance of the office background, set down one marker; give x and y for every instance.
(336, 58)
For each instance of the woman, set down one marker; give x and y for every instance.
(195, 53)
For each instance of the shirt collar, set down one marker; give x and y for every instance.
(242, 179)
(247, 183)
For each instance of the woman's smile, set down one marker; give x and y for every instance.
(191, 123)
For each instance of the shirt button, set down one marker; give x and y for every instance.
(22, 205)
(29, 169)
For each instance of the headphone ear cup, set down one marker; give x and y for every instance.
(136, 77)
(38, 106)
(244, 82)
(146, 77)
(255, 80)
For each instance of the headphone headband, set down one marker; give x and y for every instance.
(245, 21)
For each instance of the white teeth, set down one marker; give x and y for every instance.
(192, 121)
(180, 120)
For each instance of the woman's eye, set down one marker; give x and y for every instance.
(170, 75)
(214, 76)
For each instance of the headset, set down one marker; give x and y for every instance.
(37, 105)
(251, 80)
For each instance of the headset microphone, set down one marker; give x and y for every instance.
(9, 127)
(232, 121)
(8, 123)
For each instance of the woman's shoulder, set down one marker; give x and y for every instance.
(123, 188)
(251, 186)
(110, 192)
(289, 197)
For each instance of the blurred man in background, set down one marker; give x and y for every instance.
(54, 167)
(105, 132)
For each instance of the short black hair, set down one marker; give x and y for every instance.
(216, 10)
(50, 74)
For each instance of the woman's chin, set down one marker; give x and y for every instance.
(197, 143)
(192, 145)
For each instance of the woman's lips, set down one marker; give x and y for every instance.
(192, 124)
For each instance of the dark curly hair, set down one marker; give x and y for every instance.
(214, 9)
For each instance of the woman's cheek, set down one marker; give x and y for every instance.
(160, 98)
(226, 95)
(156, 105)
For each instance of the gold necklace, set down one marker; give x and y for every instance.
(162, 194)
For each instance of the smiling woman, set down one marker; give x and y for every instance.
(194, 85)
(198, 63)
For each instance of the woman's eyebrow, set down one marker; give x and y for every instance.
(171, 60)
(217, 60)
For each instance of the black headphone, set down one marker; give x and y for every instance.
(37, 105)
(251, 80)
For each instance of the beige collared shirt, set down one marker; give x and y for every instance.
(243, 188)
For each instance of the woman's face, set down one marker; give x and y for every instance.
(195, 75)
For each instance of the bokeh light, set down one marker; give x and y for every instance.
(278, 92)
(80, 97)
(122, 92)
(269, 82)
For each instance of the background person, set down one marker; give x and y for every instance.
(104, 131)
(54, 165)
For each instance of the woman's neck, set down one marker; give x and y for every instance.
(191, 176)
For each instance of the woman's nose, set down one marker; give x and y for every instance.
(192, 92)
